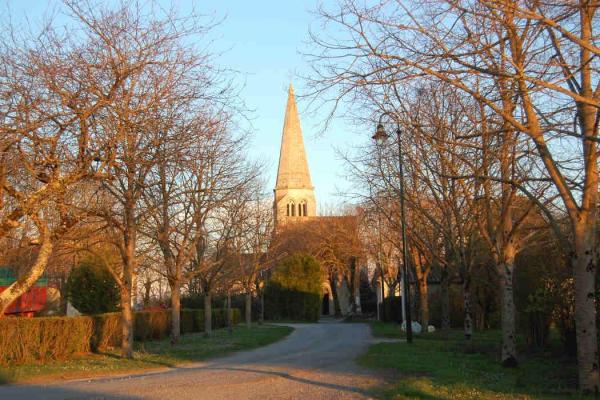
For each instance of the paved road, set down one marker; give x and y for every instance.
(315, 362)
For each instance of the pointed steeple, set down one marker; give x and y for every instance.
(293, 172)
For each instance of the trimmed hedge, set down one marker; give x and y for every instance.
(28, 339)
(25, 340)
(151, 325)
(294, 290)
(107, 331)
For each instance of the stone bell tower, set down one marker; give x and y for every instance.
(294, 192)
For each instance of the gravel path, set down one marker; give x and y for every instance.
(315, 362)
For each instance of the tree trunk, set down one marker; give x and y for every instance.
(261, 319)
(207, 314)
(129, 266)
(147, 289)
(584, 270)
(445, 300)
(422, 273)
(229, 314)
(356, 286)
(248, 308)
(509, 345)
(468, 306)
(175, 311)
(23, 284)
(424, 302)
(126, 321)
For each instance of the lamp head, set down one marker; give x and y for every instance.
(380, 135)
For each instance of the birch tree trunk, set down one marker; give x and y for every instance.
(509, 345)
(18, 288)
(468, 309)
(584, 271)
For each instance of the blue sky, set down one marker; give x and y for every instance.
(263, 40)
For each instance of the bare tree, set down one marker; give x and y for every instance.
(53, 90)
(541, 51)
(150, 57)
(251, 244)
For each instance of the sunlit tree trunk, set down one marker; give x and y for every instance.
(126, 321)
(129, 261)
(584, 270)
(506, 272)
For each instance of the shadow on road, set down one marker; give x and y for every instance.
(291, 377)
(40, 392)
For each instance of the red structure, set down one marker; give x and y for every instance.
(31, 301)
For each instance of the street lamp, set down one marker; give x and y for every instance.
(380, 137)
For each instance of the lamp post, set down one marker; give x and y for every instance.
(380, 137)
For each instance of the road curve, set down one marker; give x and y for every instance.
(316, 361)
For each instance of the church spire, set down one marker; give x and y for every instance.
(293, 172)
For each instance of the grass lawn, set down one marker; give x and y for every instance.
(436, 368)
(148, 355)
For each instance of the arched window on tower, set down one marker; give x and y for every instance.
(288, 210)
(293, 208)
(302, 209)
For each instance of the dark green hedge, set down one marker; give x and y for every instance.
(294, 290)
(24, 340)
(391, 309)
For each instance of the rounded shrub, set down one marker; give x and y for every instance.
(294, 290)
(91, 288)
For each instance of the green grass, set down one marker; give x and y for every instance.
(148, 355)
(435, 368)
(386, 329)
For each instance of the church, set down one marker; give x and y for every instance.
(332, 240)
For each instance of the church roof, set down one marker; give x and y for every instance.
(293, 170)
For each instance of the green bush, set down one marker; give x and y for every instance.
(294, 290)
(53, 338)
(91, 288)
